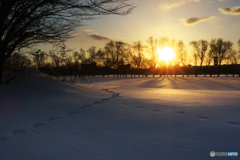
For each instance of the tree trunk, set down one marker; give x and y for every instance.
(2, 61)
(219, 70)
(1, 72)
(196, 72)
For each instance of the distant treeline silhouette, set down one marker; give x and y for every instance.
(121, 59)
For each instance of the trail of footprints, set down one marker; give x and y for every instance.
(39, 124)
(114, 95)
(204, 118)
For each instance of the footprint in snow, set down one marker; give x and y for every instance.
(53, 118)
(139, 106)
(233, 123)
(182, 113)
(89, 105)
(203, 118)
(16, 131)
(38, 124)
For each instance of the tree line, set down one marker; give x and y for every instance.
(64, 61)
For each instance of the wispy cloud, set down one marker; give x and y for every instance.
(172, 4)
(89, 33)
(233, 11)
(195, 20)
(81, 32)
(99, 37)
(175, 3)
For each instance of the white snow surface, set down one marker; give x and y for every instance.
(116, 118)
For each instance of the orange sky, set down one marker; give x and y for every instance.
(177, 19)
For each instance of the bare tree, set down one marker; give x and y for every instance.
(119, 53)
(56, 59)
(152, 49)
(220, 52)
(200, 47)
(210, 55)
(137, 53)
(105, 59)
(39, 58)
(93, 57)
(110, 50)
(181, 55)
(222, 47)
(114, 54)
(232, 56)
(16, 61)
(24, 23)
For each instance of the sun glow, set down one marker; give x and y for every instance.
(166, 53)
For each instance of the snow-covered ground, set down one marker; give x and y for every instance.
(150, 118)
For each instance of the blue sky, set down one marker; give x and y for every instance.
(177, 19)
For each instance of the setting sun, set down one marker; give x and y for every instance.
(166, 53)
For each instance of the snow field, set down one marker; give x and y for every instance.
(120, 118)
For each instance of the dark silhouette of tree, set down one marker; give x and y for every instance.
(233, 59)
(105, 59)
(39, 57)
(221, 48)
(152, 45)
(56, 59)
(16, 61)
(93, 57)
(232, 56)
(200, 47)
(79, 57)
(24, 23)
(210, 55)
(110, 51)
(137, 54)
(181, 55)
(120, 54)
(114, 55)
(59, 54)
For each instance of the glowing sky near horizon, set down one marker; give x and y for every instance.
(177, 19)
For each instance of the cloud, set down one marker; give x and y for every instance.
(80, 32)
(194, 20)
(233, 11)
(175, 3)
(89, 33)
(172, 4)
(98, 37)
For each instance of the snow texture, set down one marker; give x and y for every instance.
(120, 118)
